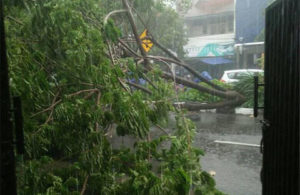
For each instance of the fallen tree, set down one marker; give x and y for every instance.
(230, 99)
(72, 73)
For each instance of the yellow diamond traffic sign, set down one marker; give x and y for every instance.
(146, 43)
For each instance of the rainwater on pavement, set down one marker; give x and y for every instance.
(237, 167)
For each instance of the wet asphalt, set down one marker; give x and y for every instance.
(237, 167)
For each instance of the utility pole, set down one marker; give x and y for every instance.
(7, 163)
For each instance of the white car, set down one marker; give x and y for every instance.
(231, 76)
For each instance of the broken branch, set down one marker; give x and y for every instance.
(134, 30)
(186, 66)
(139, 87)
(193, 106)
(111, 13)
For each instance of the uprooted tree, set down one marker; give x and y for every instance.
(71, 66)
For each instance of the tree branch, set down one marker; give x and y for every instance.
(128, 48)
(82, 91)
(47, 109)
(149, 81)
(97, 104)
(162, 129)
(59, 101)
(110, 53)
(89, 95)
(232, 98)
(111, 13)
(15, 20)
(139, 87)
(134, 30)
(113, 62)
(193, 106)
(211, 91)
(186, 66)
(84, 185)
(52, 108)
(179, 61)
(123, 85)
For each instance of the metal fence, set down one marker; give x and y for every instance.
(280, 174)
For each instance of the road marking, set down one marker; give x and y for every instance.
(236, 143)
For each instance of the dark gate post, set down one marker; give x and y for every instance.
(280, 174)
(7, 162)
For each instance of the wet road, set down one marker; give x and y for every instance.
(237, 167)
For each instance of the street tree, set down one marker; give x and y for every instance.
(72, 63)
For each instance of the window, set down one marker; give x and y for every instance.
(210, 25)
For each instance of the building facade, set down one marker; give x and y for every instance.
(249, 35)
(210, 28)
(215, 26)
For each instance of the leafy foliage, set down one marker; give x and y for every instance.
(74, 96)
(245, 86)
(111, 32)
(195, 95)
(159, 18)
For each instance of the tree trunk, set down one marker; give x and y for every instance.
(231, 98)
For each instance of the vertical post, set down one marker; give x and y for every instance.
(19, 133)
(255, 107)
(7, 162)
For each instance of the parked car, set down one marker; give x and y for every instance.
(231, 76)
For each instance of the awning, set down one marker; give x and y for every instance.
(216, 60)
